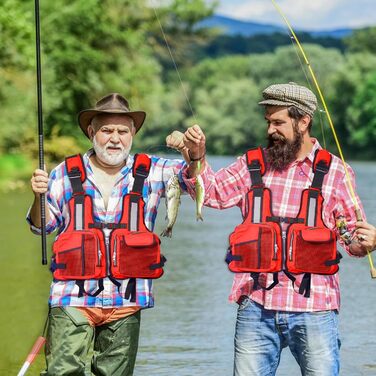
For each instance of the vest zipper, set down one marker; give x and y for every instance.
(275, 248)
(114, 262)
(99, 253)
(284, 249)
(290, 249)
(107, 242)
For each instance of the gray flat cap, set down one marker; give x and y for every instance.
(290, 94)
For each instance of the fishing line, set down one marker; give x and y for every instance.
(174, 63)
(176, 69)
(292, 39)
(347, 174)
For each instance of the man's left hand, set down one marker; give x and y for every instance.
(365, 237)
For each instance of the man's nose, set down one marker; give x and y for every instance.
(115, 136)
(271, 129)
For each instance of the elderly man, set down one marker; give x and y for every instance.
(104, 206)
(291, 195)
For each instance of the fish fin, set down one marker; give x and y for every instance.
(199, 217)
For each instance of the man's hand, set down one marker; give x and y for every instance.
(39, 185)
(175, 141)
(39, 182)
(194, 140)
(366, 234)
(364, 239)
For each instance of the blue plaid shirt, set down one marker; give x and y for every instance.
(65, 293)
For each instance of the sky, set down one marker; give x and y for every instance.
(304, 14)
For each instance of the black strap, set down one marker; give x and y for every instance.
(255, 172)
(75, 180)
(159, 264)
(256, 284)
(288, 220)
(81, 289)
(54, 266)
(230, 257)
(115, 282)
(319, 174)
(305, 285)
(334, 261)
(290, 276)
(130, 292)
(141, 174)
(112, 226)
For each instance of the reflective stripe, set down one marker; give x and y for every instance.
(257, 210)
(133, 216)
(79, 208)
(311, 212)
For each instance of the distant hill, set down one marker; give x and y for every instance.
(232, 26)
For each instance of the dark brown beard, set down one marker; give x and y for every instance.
(281, 152)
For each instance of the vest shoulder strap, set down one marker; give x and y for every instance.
(311, 202)
(320, 167)
(140, 171)
(76, 172)
(256, 165)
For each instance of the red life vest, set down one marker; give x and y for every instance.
(83, 251)
(258, 245)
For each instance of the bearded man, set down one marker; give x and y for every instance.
(284, 253)
(103, 206)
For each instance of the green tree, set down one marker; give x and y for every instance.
(230, 117)
(362, 40)
(362, 118)
(89, 48)
(346, 83)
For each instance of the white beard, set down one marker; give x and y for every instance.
(111, 159)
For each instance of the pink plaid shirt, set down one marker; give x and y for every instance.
(228, 187)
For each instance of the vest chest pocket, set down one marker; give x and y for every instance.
(312, 250)
(136, 255)
(78, 255)
(254, 248)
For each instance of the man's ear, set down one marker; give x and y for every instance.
(90, 132)
(304, 123)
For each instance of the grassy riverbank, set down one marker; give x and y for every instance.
(15, 171)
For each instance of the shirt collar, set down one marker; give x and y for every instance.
(311, 155)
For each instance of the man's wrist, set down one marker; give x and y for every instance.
(195, 158)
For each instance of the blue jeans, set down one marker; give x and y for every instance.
(261, 334)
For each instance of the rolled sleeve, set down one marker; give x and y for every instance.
(347, 203)
(225, 188)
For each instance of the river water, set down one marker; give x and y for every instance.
(190, 331)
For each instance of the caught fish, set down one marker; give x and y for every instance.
(172, 204)
(200, 194)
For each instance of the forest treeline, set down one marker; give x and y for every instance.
(93, 47)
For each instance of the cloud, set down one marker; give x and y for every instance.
(315, 14)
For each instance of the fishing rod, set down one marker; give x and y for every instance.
(358, 213)
(40, 130)
(38, 344)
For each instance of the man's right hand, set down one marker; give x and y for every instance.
(194, 140)
(39, 182)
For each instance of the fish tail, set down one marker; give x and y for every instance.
(167, 232)
(199, 217)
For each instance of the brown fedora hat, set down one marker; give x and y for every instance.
(112, 103)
